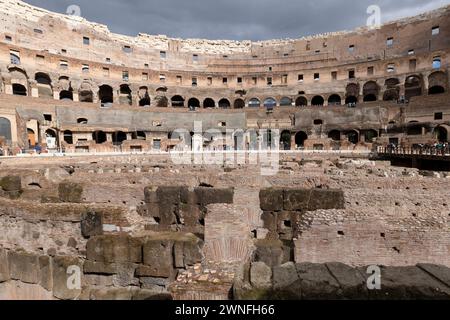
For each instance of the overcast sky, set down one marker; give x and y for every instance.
(236, 19)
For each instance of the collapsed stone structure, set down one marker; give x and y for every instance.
(140, 227)
(106, 92)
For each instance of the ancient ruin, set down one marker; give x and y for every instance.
(106, 191)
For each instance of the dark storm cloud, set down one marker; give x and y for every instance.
(236, 19)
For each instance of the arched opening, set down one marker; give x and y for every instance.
(5, 129)
(19, 90)
(351, 101)
(285, 140)
(317, 101)
(177, 102)
(353, 137)
(44, 85)
(438, 83)
(352, 94)
(436, 90)
(144, 97)
(254, 103)
(414, 129)
(66, 95)
(193, 103)
(224, 104)
(441, 134)
(209, 103)
(286, 102)
(300, 138)
(239, 104)
(82, 121)
(68, 137)
(85, 93)
(162, 102)
(31, 138)
(270, 103)
(139, 135)
(105, 94)
(370, 91)
(51, 139)
(392, 91)
(301, 102)
(119, 137)
(334, 135)
(413, 87)
(334, 100)
(125, 95)
(370, 135)
(99, 137)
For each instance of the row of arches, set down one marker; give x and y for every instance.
(413, 86)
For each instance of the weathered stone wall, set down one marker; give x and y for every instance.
(307, 281)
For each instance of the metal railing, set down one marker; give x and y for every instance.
(440, 150)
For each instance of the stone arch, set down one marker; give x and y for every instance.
(351, 93)
(239, 104)
(224, 104)
(254, 103)
(392, 90)
(352, 136)
(317, 101)
(334, 135)
(413, 86)
(370, 135)
(370, 91)
(66, 95)
(334, 100)
(301, 102)
(286, 102)
(177, 101)
(144, 97)
(139, 135)
(44, 85)
(99, 137)
(161, 101)
(193, 103)
(31, 136)
(437, 82)
(270, 103)
(209, 103)
(86, 93)
(441, 134)
(300, 138)
(68, 137)
(119, 137)
(19, 89)
(125, 95)
(5, 129)
(285, 140)
(105, 94)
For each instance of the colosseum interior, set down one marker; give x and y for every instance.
(355, 125)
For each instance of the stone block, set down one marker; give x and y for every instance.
(353, 285)
(168, 195)
(189, 214)
(70, 192)
(207, 196)
(46, 272)
(11, 183)
(271, 252)
(94, 267)
(260, 275)
(168, 213)
(67, 277)
(296, 199)
(4, 266)
(91, 224)
(271, 199)
(114, 248)
(284, 275)
(326, 199)
(158, 256)
(150, 195)
(24, 267)
(316, 282)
